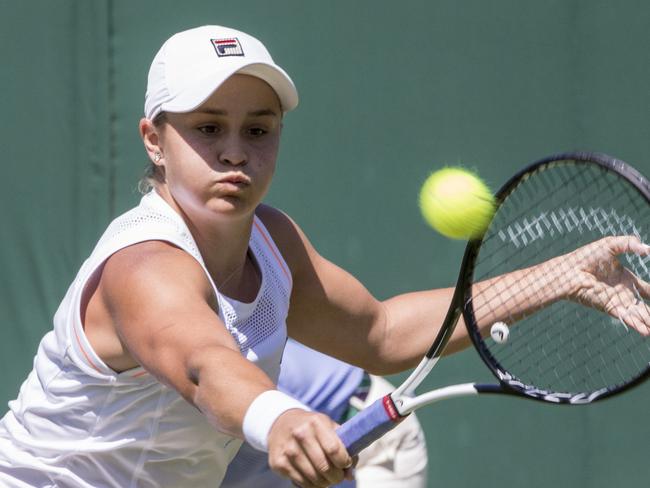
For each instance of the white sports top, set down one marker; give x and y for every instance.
(78, 423)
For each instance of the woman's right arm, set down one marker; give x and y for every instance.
(163, 310)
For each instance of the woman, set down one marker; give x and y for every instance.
(166, 347)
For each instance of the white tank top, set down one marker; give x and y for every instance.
(77, 423)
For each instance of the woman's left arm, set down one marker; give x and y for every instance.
(331, 311)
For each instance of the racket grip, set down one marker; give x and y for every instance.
(369, 425)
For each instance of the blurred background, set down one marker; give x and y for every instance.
(389, 92)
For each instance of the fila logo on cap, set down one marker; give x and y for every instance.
(227, 47)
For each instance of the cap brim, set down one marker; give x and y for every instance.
(194, 96)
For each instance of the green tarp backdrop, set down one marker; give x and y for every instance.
(389, 91)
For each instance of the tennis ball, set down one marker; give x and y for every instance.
(457, 203)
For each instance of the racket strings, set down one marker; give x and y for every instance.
(619, 351)
(528, 197)
(540, 335)
(608, 229)
(568, 222)
(595, 366)
(565, 347)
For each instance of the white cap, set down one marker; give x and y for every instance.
(192, 64)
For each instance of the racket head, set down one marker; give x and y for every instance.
(565, 353)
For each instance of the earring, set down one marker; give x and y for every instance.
(157, 157)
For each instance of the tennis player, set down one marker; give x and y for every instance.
(167, 345)
(339, 390)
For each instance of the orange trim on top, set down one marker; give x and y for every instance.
(272, 248)
(141, 373)
(95, 367)
(84, 351)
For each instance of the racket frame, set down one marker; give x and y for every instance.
(404, 396)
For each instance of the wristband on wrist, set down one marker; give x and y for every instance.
(262, 413)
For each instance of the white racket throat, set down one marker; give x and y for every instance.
(406, 400)
(405, 393)
(406, 405)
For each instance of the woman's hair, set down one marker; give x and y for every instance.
(153, 173)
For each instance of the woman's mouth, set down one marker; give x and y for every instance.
(234, 181)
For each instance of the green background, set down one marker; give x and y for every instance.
(389, 91)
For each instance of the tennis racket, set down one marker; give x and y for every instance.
(550, 217)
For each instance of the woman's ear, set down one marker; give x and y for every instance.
(151, 140)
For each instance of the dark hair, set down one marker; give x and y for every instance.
(153, 173)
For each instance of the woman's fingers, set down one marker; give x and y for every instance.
(626, 244)
(304, 447)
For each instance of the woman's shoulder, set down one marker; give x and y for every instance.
(281, 227)
(286, 233)
(152, 261)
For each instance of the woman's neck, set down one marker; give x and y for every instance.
(222, 240)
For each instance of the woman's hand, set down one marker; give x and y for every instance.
(600, 281)
(304, 447)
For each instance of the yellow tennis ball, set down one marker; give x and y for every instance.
(457, 203)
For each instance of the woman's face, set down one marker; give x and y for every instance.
(221, 157)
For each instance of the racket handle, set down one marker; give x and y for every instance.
(369, 425)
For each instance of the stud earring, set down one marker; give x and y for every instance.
(157, 157)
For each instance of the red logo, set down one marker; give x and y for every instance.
(227, 47)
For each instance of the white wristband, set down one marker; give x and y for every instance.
(262, 413)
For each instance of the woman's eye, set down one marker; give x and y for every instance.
(256, 131)
(209, 129)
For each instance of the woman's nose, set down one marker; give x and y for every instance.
(233, 153)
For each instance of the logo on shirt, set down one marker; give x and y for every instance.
(227, 47)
